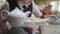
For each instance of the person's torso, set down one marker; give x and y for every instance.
(14, 5)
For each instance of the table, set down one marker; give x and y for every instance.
(46, 27)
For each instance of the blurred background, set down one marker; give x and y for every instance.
(2, 3)
(54, 3)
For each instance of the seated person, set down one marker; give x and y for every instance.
(23, 5)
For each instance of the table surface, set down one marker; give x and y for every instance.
(46, 27)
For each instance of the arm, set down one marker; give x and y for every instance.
(36, 11)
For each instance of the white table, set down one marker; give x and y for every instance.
(46, 27)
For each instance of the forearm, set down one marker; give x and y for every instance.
(36, 11)
(37, 14)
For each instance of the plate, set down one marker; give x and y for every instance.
(55, 20)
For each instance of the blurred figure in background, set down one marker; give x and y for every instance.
(46, 11)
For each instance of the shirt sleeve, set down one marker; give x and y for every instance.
(36, 11)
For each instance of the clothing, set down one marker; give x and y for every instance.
(16, 30)
(3, 28)
(49, 12)
(35, 9)
(32, 8)
(21, 7)
(29, 30)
